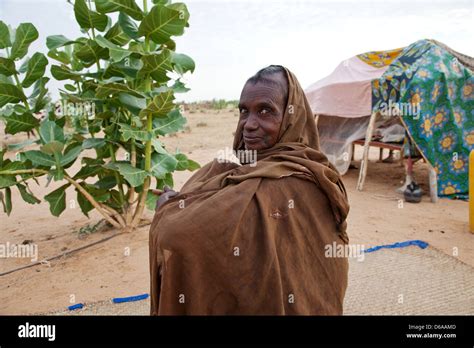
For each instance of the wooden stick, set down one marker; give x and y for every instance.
(433, 185)
(365, 158)
(94, 203)
(156, 192)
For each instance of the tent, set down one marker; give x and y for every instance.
(424, 90)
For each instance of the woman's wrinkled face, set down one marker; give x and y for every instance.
(262, 106)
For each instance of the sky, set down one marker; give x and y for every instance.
(230, 40)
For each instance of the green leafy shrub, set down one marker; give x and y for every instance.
(118, 99)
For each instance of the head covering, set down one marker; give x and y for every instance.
(297, 125)
(246, 239)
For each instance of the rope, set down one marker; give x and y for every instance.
(66, 253)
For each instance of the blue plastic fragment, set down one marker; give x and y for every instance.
(130, 298)
(76, 306)
(419, 243)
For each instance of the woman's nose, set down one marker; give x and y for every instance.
(251, 123)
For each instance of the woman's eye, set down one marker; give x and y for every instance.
(243, 111)
(264, 111)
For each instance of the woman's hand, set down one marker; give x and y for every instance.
(165, 195)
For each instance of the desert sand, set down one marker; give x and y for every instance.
(119, 266)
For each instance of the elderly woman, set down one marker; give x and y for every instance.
(251, 238)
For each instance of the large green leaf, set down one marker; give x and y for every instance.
(100, 195)
(126, 6)
(10, 94)
(184, 163)
(112, 71)
(115, 200)
(88, 171)
(88, 19)
(60, 56)
(129, 67)
(27, 195)
(25, 34)
(12, 165)
(52, 147)
(172, 123)
(90, 143)
(56, 41)
(84, 204)
(4, 36)
(57, 200)
(7, 203)
(19, 146)
(70, 155)
(7, 180)
(160, 105)
(20, 123)
(39, 93)
(50, 131)
(158, 146)
(134, 176)
(179, 87)
(136, 133)
(182, 63)
(170, 44)
(106, 182)
(168, 181)
(151, 199)
(36, 68)
(116, 53)
(115, 88)
(90, 52)
(192, 165)
(6, 79)
(128, 26)
(134, 104)
(116, 35)
(64, 73)
(7, 66)
(140, 48)
(164, 21)
(156, 65)
(39, 158)
(70, 88)
(162, 164)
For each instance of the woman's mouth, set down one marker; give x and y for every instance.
(251, 140)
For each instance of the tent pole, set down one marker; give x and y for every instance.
(365, 157)
(433, 184)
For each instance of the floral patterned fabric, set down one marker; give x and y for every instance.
(379, 59)
(429, 77)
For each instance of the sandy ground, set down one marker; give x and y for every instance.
(119, 267)
(383, 284)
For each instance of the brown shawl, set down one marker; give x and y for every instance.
(251, 239)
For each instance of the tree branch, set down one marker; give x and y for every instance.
(94, 203)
